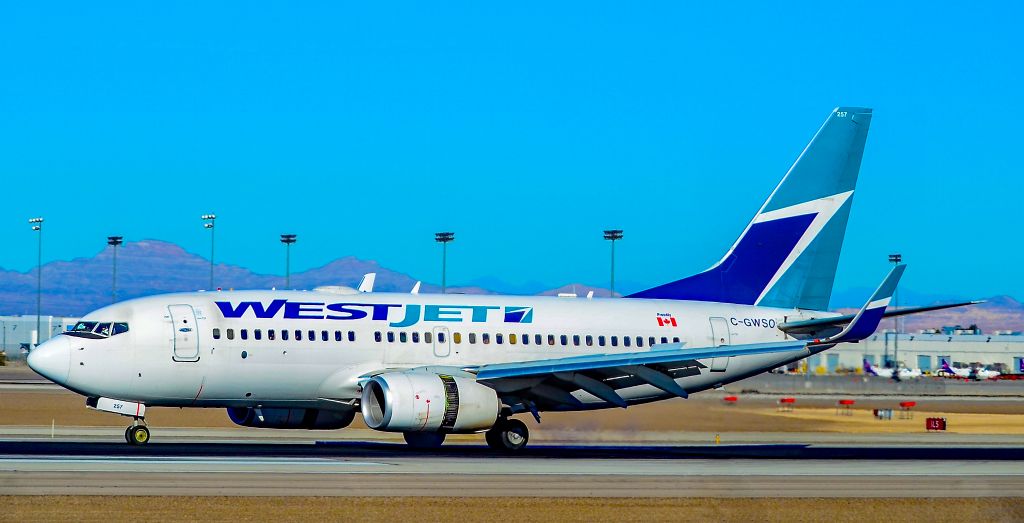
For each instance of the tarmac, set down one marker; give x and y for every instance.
(190, 464)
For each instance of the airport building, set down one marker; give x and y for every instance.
(17, 333)
(960, 347)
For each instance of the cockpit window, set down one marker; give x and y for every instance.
(84, 326)
(96, 330)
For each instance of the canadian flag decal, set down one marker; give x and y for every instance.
(666, 320)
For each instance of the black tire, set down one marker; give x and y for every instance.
(128, 435)
(424, 440)
(509, 435)
(139, 435)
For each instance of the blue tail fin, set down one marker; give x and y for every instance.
(788, 254)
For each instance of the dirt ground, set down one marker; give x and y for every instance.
(701, 413)
(141, 509)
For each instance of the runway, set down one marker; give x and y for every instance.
(386, 469)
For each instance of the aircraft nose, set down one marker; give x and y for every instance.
(52, 359)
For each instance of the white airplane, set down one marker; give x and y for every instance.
(967, 372)
(904, 373)
(429, 365)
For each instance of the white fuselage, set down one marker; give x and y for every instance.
(187, 350)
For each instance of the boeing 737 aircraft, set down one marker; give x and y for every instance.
(430, 365)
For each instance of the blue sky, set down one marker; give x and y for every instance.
(524, 128)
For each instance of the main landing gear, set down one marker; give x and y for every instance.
(137, 433)
(508, 434)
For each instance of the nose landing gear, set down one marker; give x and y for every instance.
(137, 433)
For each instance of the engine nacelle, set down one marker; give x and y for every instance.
(426, 402)
(312, 419)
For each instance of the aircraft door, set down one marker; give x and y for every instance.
(720, 336)
(442, 342)
(186, 334)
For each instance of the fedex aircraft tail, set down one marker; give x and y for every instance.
(787, 255)
(868, 369)
(946, 367)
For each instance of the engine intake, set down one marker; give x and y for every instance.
(426, 402)
(312, 419)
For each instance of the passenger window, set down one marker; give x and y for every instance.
(526, 339)
(537, 339)
(675, 340)
(512, 339)
(403, 337)
(486, 338)
(337, 336)
(576, 340)
(244, 334)
(615, 341)
(664, 339)
(284, 334)
(415, 337)
(457, 337)
(626, 341)
(600, 340)
(257, 334)
(551, 339)
(231, 334)
(639, 341)
(351, 335)
(428, 337)
(270, 334)
(391, 337)
(472, 338)
(440, 337)
(298, 335)
(498, 338)
(120, 327)
(590, 341)
(650, 341)
(216, 334)
(324, 336)
(377, 337)
(312, 335)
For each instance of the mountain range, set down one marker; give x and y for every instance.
(74, 287)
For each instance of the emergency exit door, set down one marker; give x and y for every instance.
(720, 336)
(186, 335)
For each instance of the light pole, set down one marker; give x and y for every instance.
(209, 220)
(896, 259)
(288, 240)
(37, 225)
(113, 242)
(443, 238)
(612, 235)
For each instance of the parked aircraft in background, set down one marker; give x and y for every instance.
(904, 373)
(967, 372)
(430, 365)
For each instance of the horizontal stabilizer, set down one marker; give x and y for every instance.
(819, 324)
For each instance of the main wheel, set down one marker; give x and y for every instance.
(139, 435)
(128, 434)
(508, 434)
(424, 440)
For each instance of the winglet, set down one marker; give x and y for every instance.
(868, 317)
(366, 284)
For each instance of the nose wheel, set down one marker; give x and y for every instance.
(508, 435)
(136, 434)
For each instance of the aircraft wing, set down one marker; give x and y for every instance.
(551, 382)
(818, 325)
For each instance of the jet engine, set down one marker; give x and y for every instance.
(426, 402)
(312, 419)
